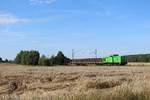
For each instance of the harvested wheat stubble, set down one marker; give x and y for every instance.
(27, 82)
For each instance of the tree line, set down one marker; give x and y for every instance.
(138, 58)
(33, 58)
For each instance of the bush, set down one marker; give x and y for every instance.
(60, 59)
(44, 61)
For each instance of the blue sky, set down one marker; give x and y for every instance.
(110, 26)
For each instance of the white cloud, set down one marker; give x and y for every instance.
(7, 18)
(42, 1)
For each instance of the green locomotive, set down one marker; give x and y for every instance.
(114, 60)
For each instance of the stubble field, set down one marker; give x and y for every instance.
(19, 82)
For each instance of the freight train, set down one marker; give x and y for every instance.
(110, 60)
